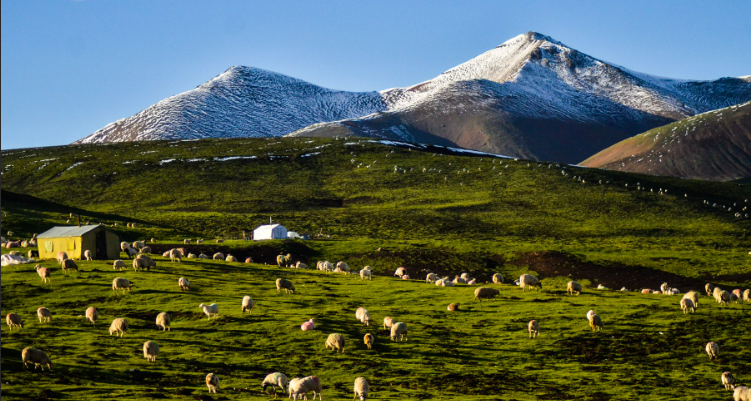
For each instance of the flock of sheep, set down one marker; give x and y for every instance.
(300, 387)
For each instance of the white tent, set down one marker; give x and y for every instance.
(269, 231)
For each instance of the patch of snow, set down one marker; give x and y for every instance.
(74, 165)
(228, 158)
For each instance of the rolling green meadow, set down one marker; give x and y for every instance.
(372, 203)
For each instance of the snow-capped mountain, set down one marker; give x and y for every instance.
(711, 146)
(530, 97)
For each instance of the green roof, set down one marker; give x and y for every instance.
(67, 231)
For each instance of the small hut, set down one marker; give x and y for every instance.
(269, 231)
(74, 240)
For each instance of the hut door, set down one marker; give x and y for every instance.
(101, 245)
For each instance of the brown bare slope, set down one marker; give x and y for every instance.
(712, 146)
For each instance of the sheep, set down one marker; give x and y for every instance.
(472, 282)
(716, 291)
(369, 340)
(120, 283)
(191, 256)
(497, 278)
(453, 307)
(363, 316)
(87, 254)
(165, 254)
(13, 320)
(366, 273)
(218, 256)
(186, 241)
(646, 291)
(465, 276)
(595, 322)
(431, 278)
(342, 267)
(61, 256)
(573, 287)
(335, 341)
(37, 357)
(92, 315)
(44, 314)
(528, 280)
(212, 381)
(210, 310)
(163, 321)
(44, 273)
(119, 327)
(146, 250)
(283, 260)
(247, 304)
(361, 388)
(69, 264)
(534, 329)
(293, 385)
(664, 287)
(713, 350)
(693, 296)
(139, 244)
(150, 351)
(276, 379)
(124, 245)
(405, 277)
(118, 265)
(133, 252)
(301, 387)
(388, 322)
(230, 258)
(399, 330)
(400, 271)
(741, 393)
(458, 280)
(203, 256)
(309, 325)
(140, 263)
(486, 293)
(286, 284)
(184, 284)
(153, 241)
(727, 380)
(709, 289)
(747, 295)
(737, 294)
(624, 289)
(601, 287)
(723, 297)
(687, 304)
(175, 255)
(298, 265)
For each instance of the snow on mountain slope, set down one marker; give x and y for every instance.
(241, 102)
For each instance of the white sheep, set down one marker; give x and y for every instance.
(191, 256)
(247, 304)
(118, 264)
(363, 316)
(219, 256)
(335, 341)
(163, 321)
(687, 304)
(301, 387)
(87, 254)
(342, 267)
(400, 271)
(120, 283)
(69, 264)
(664, 287)
(37, 357)
(693, 296)
(465, 276)
(362, 387)
(595, 322)
(309, 325)
(92, 315)
(61, 256)
(534, 329)
(276, 379)
(184, 284)
(212, 382)
(747, 295)
(283, 283)
(399, 330)
(709, 289)
(742, 393)
(44, 273)
(713, 350)
(486, 293)
(727, 380)
(119, 327)
(368, 340)
(44, 314)
(13, 320)
(497, 278)
(150, 350)
(388, 322)
(459, 280)
(210, 310)
(573, 287)
(528, 280)
(175, 255)
(230, 259)
(298, 265)
(203, 256)
(366, 273)
(431, 278)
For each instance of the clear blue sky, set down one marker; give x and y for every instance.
(71, 67)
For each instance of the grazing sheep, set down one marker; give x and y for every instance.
(453, 307)
(87, 254)
(459, 280)
(693, 296)
(165, 254)
(118, 265)
(399, 330)
(120, 283)
(191, 256)
(37, 357)
(146, 250)
(284, 260)
(210, 310)
(590, 314)
(13, 320)
(369, 340)
(727, 380)
(300, 265)
(361, 388)
(150, 351)
(247, 304)
(595, 322)
(212, 381)
(175, 255)
(747, 295)
(342, 266)
(723, 297)
(716, 291)
(388, 322)
(124, 245)
(133, 252)
(219, 256)
(301, 387)
(92, 315)
(309, 325)
(119, 327)
(44, 273)
(149, 262)
(276, 379)
(528, 280)
(737, 293)
(286, 284)
(61, 256)
(184, 284)
(163, 321)
(400, 271)
(534, 329)
(44, 314)
(69, 264)
(363, 316)
(230, 258)
(646, 291)
(687, 304)
(573, 287)
(741, 393)
(139, 263)
(203, 256)
(153, 241)
(293, 385)
(335, 341)
(497, 278)
(139, 244)
(709, 289)
(431, 278)
(366, 273)
(248, 260)
(713, 350)
(440, 283)
(486, 293)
